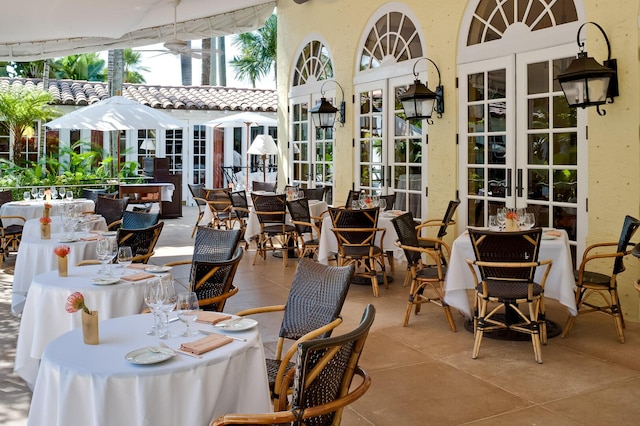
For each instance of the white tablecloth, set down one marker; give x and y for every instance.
(34, 209)
(36, 256)
(560, 283)
(44, 317)
(32, 227)
(329, 244)
(84, 385)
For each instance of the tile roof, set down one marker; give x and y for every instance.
(213, 98)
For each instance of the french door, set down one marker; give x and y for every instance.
(390, 150)
(520, 144)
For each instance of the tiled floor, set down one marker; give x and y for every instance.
(422, 374)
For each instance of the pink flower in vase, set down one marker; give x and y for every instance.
(75, 302)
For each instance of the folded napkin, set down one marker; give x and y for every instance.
(141, 266)
(137, 277)
(90, 238)
(206, 344)
(553, 233)
(208, 317)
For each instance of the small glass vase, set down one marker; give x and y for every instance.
(90, 327)
(45, 231)
(63, 266)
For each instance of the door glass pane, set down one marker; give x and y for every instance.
(497, 183)
(475, 150)
(476, 118)
(538, 113)
(497, 150)
(496, 83)
(565, 149)
(538, 184)
(538, 78)
(565, 185)
(563, 116)
(497, 112)
(475, 87)
(538, 148)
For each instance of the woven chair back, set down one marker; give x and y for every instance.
(272, 208)
(142, 241)
(506, 247)
(316, 297)
(137, 220)
(264, 186)
(111, 209)
(216, 244)
(353, 196)
(390, 201)
(197, 190)
(448, 217)
(325, 368)
(299, 211)
(238, 199)
(314, 193)
(350, 218)
(629, 227)
(212, 279)
(218, 199)
(5, 196)
(406, 229)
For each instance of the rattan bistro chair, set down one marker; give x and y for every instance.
(111, 209)
(442, 225)
(240, 207)
(138, 220)
(507, 262)
(312, 310)
(197, 192)
(427, 281)
(302, 220)
(275, 233)
(315, 193)
(264, 186)
(220, 206)
(603, 287)
(142, 241)
(356, 234)
(214, 263)
(321, 381)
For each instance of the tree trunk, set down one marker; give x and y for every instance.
(206, 62)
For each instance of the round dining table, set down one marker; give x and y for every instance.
(82, 385)
(33, 209)
(44, 317)
(35, 256)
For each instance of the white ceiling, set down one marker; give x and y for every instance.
(39, 29)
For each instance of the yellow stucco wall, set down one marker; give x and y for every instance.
(613, 140)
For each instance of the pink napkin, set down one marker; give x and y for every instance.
(553, 233)
(205, 344)
(90, 238)
(141, 266)
(137, 277)
(208, 317)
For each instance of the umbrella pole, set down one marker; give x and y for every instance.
(264, 167)
(247, 155)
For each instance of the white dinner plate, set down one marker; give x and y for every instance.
(145, 356)
(68, 240)
(105, 280)
(109, 233)
(157, 269)
(237, 324)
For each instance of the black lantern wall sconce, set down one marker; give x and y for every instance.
(419, 102)
(587, 83)
(324, 113)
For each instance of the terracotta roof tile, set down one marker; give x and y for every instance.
(70, 92)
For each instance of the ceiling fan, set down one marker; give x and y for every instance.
(175, 45)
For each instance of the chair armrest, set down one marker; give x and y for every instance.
(114, 224)
(87, 262)
(14, 217)
(260, 310)
(179, 262)
(143, 258)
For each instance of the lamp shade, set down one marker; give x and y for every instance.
(263, 145)
(418, 101)
(324, 114)
(148, 145)
(585, 82)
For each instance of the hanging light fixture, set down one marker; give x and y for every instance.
(324, 113)
(587, 83)
(419, 101)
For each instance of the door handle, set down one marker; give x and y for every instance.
(388, 176)
(508, 188)
(519, 187)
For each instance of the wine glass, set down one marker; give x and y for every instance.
(34, 192)
(113, 252)
(85, 226)
(54, 193)
(529, 220)
(69, 194)
(103, 252)
(62, 191)
(26, 195)
(187, 307)
(382, 204)
(125, 257)
(501, 215)
(153, 299)
(169, 300)
(40, 194)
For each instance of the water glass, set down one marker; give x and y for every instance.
(103, 253)
(62, 192)
(26, 195)
(493, 223)
(69, 195)
(153, 299)
(125, 257)
(169, 301)
(355, 204)
(187, 307)
(382, 204)
(529, 220)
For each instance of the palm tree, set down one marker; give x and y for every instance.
(257, 52)
(132, 67)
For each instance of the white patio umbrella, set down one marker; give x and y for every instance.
(116, 113)
(247, 119)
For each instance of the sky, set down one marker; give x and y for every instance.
(165, 67)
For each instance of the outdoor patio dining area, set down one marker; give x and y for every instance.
(422, 374)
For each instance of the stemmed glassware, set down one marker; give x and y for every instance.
(40, 194)
(105, 251)
(169, 300)
(85, 226)
(26, 195)
(34, 193)
(501, 215)
(529, 220)
(125, 257)
(153, 299)
(69, 195)
(54, 193)
(187, 307)
(62, 192)
(382, 204)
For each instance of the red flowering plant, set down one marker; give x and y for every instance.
(62, 251)
(45, 220)
(75, 302)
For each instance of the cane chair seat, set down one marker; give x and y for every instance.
(321, 381)
(275, 234)
(506, 263)
(427, 281)
(312, 310)
(598, 292)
